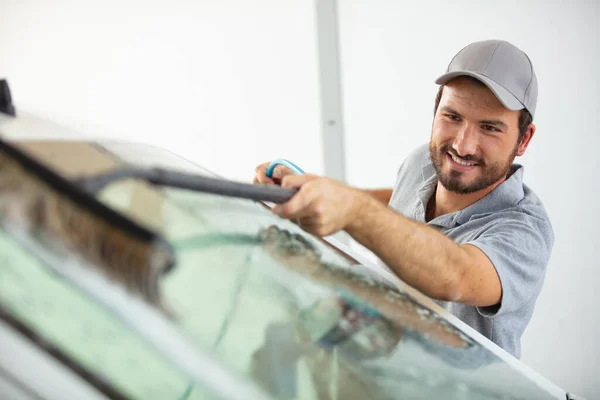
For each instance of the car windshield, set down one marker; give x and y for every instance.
(276, 306)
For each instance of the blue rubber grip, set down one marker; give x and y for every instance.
(286, 163)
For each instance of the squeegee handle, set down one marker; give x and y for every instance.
(223, 187)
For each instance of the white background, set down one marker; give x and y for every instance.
(232, 83)
(226, 83)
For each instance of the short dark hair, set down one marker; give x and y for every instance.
(525, 117)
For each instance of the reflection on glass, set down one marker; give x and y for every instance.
(278, 306)
(75, 325)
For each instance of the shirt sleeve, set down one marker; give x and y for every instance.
(408, 179)
(519, 247)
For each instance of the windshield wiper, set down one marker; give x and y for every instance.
(198, 183)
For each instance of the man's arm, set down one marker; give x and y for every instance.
(383, 195)
(420, 255)
(425, 258)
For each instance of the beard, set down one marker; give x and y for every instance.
(452, 180)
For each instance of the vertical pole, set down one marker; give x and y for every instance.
(332, 126)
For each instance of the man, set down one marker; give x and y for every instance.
(460, 225)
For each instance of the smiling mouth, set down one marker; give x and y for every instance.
(462, 162)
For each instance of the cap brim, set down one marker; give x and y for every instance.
(506, 98)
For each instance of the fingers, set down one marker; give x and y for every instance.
(300, 204)
(279, 172)
(297, 207)
(260, 175)
(309, 224)
(315, 225)
(295, 181)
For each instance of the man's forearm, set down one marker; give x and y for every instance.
(383, 195)
(421, 256)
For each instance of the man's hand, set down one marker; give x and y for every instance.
(278, 173)
(322, 206)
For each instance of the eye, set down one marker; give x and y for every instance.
(452, 117)
(490, 128)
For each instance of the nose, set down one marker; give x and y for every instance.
(466, 141)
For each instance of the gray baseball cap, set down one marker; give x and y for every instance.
(502, 67)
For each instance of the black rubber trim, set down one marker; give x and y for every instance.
(6, 104)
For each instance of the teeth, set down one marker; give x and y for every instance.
(461, 162)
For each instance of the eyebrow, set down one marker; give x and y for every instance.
(492, 122)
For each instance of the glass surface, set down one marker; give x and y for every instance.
(92, 336)
(272, 302)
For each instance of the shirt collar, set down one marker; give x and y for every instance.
(508, 194)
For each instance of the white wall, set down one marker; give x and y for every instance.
(226, 83)
(391, 54)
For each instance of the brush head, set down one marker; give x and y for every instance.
(63, 216)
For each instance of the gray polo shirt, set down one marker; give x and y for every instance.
(509, 225)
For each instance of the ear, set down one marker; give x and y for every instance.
(526, 139)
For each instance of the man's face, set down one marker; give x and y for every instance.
(474, 138)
